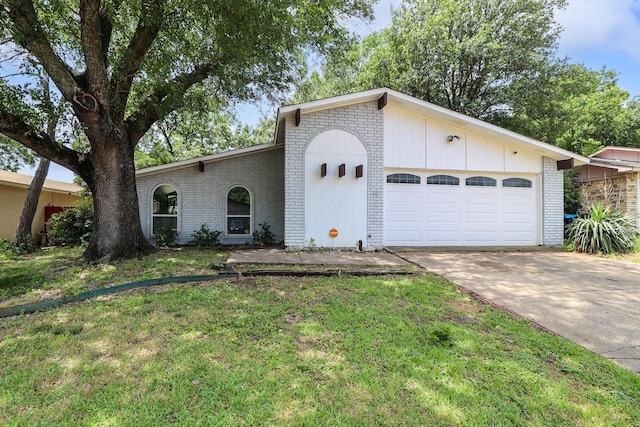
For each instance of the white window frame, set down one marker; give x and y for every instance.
(177, 207)
(227, 216)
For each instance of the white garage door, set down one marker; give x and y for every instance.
(460, 210)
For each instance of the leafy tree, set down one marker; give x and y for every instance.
(576, 108)
(121, 67)
(13, 155)
(188, 134)
(491, 59)
(463, 55)
(24, 238)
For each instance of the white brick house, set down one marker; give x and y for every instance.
(372, 168)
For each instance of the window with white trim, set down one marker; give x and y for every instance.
(165, 207)
(480, 181)
(516, 183)
(403, 178)
(238, 211)
(443, 180)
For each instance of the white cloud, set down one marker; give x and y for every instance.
(606, 26)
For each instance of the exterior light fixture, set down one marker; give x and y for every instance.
(450, 138)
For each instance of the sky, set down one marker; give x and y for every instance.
(597, 33)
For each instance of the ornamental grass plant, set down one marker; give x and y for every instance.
(603, 230)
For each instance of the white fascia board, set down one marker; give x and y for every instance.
(410, 103)
(206, 159)
(333, 102)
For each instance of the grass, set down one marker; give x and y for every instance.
(56, 272)
(383, 350)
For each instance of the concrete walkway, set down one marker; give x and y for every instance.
(279, 256)
(590, 300)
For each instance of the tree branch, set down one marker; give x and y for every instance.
(106, 29)
(15, 128)
(31, 36)
(166, 98)
(124, 72)
(95, 60)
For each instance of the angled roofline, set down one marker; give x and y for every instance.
(13, 179)
(207, 159)
(413, 104)
(618, 165)
(613, 147)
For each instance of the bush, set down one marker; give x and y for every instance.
(5, 246)
(165, 236)
(8, 248)
(264, 236)
(604, 230)
(72, 227)
(205, 237)
(28, 247)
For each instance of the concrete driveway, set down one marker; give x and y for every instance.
(590, 300)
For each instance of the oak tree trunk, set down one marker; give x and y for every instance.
(24, 237)
(117, 231)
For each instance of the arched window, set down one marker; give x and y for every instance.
(403, 178)
(480, 181)
(516, 182)
(238, 211)
(443, 180)
(165, 207)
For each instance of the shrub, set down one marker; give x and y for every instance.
(205, 237)
(27, 247)
(6, 246)
(264, 236)
(72, 227)
(165, 236)
(604, 230)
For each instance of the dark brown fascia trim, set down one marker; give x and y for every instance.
(382, 101)
(564, 164)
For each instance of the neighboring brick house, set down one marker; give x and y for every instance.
(375, 168)
(612, 177)
(13, 192)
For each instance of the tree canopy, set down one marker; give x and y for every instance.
(120, 67)
(461, 55)
(491, 59)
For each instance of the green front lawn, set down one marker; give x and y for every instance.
(56, 272)
(299, 351)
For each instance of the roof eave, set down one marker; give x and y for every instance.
(206, 159)
(414, 104)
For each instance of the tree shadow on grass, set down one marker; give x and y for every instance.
(14, 281)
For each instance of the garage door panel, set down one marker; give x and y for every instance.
(444, 237)
(404, 237)
(480, 218)
(436, 218)
(406, 216)
(518, 217)
(517, 235)
(452, 215)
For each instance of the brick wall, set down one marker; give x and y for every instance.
(621, 191)
(552, 204)
(202, 195)
(363, 120)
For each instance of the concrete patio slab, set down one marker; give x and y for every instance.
(280, 256)
(590, 300)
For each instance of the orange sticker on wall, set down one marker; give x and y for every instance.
(333, 233)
